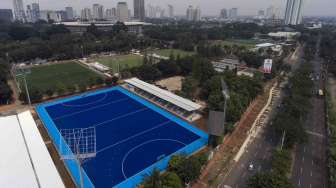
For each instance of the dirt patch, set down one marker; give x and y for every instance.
(172, 83)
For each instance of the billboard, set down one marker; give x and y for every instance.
(268, 66)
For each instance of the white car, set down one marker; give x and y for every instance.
(251, 167)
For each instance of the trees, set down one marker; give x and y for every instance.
(154, 180)
(5, 90)
(171, 180)
(268, 180)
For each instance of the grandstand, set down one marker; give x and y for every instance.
(180, 106)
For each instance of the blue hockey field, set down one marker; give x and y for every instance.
(133, 136)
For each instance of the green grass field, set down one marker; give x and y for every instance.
(175, 52)
(239, 42)
(125, 61)
(59, 75)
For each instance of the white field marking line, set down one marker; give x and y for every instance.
(131, 137)
(86, 104)
(88, 109)
(120, 117)
(140, 145)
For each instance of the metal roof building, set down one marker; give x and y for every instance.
(25, 160)
(165, 95)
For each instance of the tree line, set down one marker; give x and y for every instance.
(5, 90)
(24, 42)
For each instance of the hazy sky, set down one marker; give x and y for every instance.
(208, 7)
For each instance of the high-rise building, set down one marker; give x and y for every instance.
(19, 12)
(97, 11)
(86, 14)
(270, 12)
(193, 14)
(70, 13)
(233, 13)
(261, 13)
(111, 14)
(6, 15)
(190, 13)
(122, 12)
(29, 14)
(223, 14)
(197, 14)
(293, 14)
(35, 12)
(139, 10)
(170, 11)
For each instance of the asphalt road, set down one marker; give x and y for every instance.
(310, 170)
(258, 153)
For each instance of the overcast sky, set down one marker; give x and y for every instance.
(208, 7)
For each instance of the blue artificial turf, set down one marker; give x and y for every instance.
(133, 136)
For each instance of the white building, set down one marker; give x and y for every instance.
(97, 11)
(193, 14)
(170, 11)
(233, 13)
(293, 14)
(122, 12)
(19, 13)
(270, 12)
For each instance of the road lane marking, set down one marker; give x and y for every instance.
(304, 149)
(303, 159)
(312, 162)
(299, 183)
(311, 173)
(310, 186)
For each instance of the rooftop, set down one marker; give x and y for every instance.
(164, 94)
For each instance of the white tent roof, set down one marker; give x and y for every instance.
(25, 161)
(164, 94)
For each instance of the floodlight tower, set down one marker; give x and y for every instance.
(24, 73)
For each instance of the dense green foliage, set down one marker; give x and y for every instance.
(5, 90)
(268, 180)
(277, 177)
(295, 107)
(41, 40)
(181, 170)
(328, 49)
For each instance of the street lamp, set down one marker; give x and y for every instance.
(225, 92)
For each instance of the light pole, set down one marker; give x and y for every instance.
(225, 92)
(24, 73)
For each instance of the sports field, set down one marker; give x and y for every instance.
(175, 52)
(133, 136)
(124, 61)
(239, 42)
(64, 75)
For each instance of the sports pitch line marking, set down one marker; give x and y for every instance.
(131, 137)
(120, 117)
(92, 108)
(86, 104)
(142, 144)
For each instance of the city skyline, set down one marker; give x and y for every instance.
(321, 7)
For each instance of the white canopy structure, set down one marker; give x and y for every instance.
(164, 95)
(25, 160)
